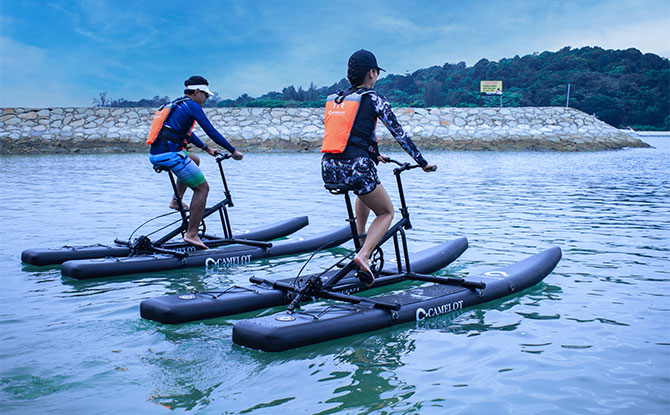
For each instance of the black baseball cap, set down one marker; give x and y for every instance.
(363, 59)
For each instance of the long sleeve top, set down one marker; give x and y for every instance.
(180, 120)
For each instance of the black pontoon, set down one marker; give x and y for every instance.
(140, 255)
(351, 314)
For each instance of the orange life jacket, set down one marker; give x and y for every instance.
(341, 112)
(160, 117)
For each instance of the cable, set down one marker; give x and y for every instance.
(130, 238)
(327, 269)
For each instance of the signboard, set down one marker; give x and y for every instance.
(490, 87)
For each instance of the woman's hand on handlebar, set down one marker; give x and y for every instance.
(237, 155)
(211, 151)
(383, 159)
(429, 167)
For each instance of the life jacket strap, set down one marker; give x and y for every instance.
(341, 112)
(158, 124)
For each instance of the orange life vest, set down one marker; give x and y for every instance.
(341, 112)
(160, 117)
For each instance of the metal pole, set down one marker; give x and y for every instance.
(567, 99)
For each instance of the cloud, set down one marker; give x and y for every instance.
(108, 25)
(136, 50)
(35, 77)
(18, 59)
(21, 75)
(650, 36)
(412, 30)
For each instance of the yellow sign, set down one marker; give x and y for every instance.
(491, 87)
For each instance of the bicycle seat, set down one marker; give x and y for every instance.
(338, 189)
(159, 169)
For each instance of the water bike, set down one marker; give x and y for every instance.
(348, 314)
(141, 254)
(352, 314)
(339, 279)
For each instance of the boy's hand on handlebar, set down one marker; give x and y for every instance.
(237, 155)
(211, 151)
(429, 167)
(383, 159)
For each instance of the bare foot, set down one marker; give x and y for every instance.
(365, 274)
(195, 241)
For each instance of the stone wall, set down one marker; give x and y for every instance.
(71, 130)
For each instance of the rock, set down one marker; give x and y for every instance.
(272, 131)
(298, 129)
(31, 115)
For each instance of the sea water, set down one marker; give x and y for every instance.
(592, 338)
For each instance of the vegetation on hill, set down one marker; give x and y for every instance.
(621, 87)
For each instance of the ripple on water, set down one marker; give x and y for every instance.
(591, 338)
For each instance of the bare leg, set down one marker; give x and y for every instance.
(195, 158)
(181, 187)
(380, 203)
(198, 203)
(362, 213)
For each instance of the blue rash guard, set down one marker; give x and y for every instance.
(180, 120)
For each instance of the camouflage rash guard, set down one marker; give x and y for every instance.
(387, 117)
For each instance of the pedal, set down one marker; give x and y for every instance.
(365, 277)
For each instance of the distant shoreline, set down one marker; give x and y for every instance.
(635, 133)
(111, 130)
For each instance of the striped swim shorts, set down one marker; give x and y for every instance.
(181, 165)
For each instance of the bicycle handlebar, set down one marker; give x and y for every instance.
(404, 166)
(221, 157)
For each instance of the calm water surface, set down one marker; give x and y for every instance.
(593, 338)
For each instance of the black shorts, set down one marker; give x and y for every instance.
(360, 173)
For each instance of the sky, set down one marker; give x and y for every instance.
(59, 53)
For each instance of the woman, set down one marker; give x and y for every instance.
(351, 151)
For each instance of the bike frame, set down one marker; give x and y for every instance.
(397, 228)
(221, 207)
(315, 287)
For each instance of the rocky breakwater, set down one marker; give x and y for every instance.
(71, 130)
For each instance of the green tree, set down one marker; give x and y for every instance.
(621, 87)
